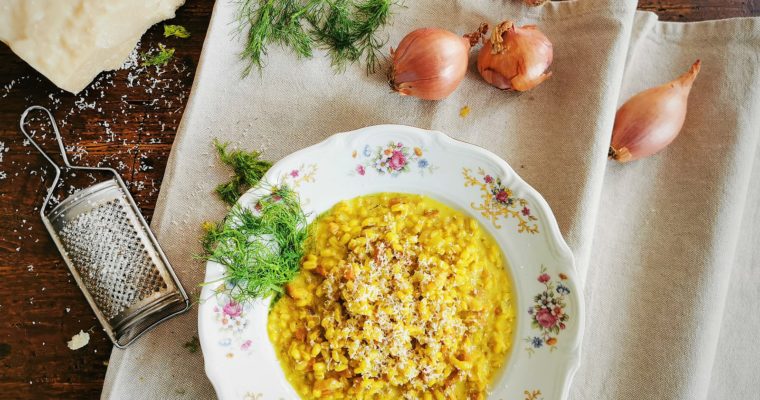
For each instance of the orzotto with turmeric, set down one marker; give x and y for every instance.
(399, 296)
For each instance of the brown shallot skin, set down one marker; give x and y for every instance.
(651, 120)
(430, 63)
(515, 58)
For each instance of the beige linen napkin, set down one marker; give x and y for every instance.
(657, 239)
(674, 278)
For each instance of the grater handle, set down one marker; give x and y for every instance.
(55, 129)
(62, 150)
(44, 154)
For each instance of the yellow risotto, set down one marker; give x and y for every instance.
(398, 296)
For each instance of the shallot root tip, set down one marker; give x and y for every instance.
(621, 155)
(390, 76)
(474, 37)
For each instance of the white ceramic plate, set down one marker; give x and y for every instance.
(240, 360)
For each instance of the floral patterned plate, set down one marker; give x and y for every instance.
(241, 361)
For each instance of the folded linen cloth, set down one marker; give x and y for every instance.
(657, 240)
(675, 249)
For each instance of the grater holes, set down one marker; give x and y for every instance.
(111, 258)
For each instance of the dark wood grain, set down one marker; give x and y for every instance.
(700, 10)
(131, 128)
(40, 305)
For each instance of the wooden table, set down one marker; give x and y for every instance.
(128, 126)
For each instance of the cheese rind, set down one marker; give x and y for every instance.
(72, 41)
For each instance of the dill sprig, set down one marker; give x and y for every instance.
(176, 31)
(262, 250)
(159, 57)
(273, 21)
(248, 170)
(347, 29)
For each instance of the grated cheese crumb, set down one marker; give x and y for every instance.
(79, 340)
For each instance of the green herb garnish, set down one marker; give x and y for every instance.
(347, 29)
(273, 21)
(176, 31)
(248, 170)
(261, 249)
(193, 344)
(157, 57)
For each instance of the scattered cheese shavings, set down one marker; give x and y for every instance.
(79, 340)
(3, 149)
(132, 61)
(464, 111)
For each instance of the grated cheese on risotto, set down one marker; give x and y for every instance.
(399, 296)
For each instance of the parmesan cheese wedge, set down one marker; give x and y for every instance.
(72, 41)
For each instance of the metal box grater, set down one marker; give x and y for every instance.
(112, 254)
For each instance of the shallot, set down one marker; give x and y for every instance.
(430, 63)
(650, 120)
(515, 58)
